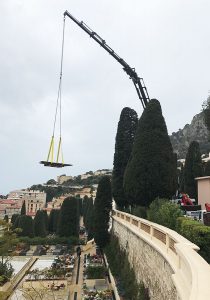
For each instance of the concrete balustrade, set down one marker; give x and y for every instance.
(189, 272)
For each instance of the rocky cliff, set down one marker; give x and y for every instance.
(195, 131)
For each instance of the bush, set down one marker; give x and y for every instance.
(197, 233)
(163, 212)
(127, 285)
(50, 240)
(97, 272)
(139, 211)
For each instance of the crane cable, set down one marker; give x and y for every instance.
(58, 105)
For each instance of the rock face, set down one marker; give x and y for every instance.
(196, 131)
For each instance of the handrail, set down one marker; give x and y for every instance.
(181, 254)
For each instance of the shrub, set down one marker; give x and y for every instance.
(197, 233)
(165, 213)
(96, 272)
(50, 240)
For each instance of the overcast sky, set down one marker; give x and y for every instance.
(168, 42)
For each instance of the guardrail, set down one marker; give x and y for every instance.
(191, 272)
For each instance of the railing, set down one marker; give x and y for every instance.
(191, 272)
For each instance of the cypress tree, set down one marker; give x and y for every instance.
(6, 218)
(181, 179)
(151, 170)
(53, 220)
(23, 209)
(68, 224)
(14, 217)
(207, 168)
(102, 208)
(46, 219)
(26, 224)
(193, 168)
(123, 145)
(89, 219)
(39, 224)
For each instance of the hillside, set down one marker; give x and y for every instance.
(195, 131)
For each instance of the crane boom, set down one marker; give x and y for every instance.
(137, 81)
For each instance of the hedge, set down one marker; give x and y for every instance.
(50, 240)
(197, 233)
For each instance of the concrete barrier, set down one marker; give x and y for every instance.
(189, 272)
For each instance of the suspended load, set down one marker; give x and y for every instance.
(59, 163)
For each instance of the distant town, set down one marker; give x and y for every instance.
(50, 195)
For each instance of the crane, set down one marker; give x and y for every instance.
(137, 81)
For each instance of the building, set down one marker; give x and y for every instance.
(34, 200)
(103, 172)
(10, 207)
(203, 184)
(63, 178)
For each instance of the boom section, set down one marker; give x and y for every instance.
(137, 81)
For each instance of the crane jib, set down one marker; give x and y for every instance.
(138, 82)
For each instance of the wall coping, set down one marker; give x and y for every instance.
(191, 272)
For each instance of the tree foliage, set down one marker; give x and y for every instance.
(207, 168)
(102, 208)
(68, 224)
(23, 209)
(53, 220)
(193, 168)
(88, 220)
(40, 224)
(25, 223)
(163, 212)
(123, 145)
(151, 170)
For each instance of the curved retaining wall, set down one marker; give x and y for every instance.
(166, 262)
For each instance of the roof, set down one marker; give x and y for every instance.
(201, 178)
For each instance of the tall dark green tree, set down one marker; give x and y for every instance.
(25, 223)
(23, 209)
(207, 168)
(14, 217)
(68, 224)
(53, 220)
(123, 145)
(151, 170)
(89, 219)
(181, 179)
(102, 208)
(39, 224)
(193, 168)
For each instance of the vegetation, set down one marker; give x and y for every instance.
(197, 233)
(40, 224)
(207, 168)
(124, 273)
(88, 216)
(124, 141)
(50, 240)
(102, 208)
(53, 220)
(68, 224)
(50, 191)
(151, 170)
(25, 223)
(192, 169)
(23, 209)
(163, 212)
(13, 219)
(95, 272)
(8, 240)
(206, 110)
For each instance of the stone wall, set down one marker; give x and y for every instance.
(149, 265)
